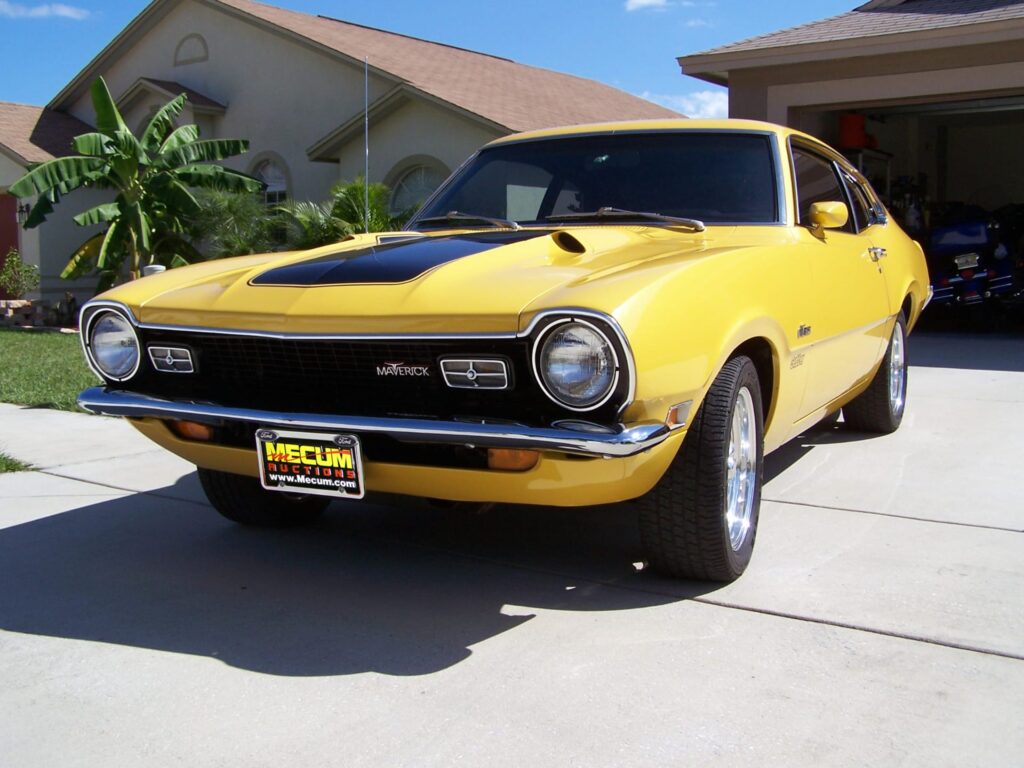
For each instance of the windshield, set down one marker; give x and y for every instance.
(718, 178)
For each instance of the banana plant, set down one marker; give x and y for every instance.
(152, 178)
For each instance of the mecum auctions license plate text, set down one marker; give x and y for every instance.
(310, 462)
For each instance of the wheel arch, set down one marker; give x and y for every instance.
(908, 310)
(765, 357)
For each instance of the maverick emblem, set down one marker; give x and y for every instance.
(171, 359)
(804, 330)
(481, 373)
(401, 369)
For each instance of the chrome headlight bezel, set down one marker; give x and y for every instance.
(87, 330)
(609, 340)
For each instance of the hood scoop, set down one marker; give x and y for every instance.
(398, 261)
(568, 242)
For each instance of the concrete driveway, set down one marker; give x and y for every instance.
(881, 621)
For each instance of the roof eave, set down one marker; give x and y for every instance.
(717, 65)
(152, 13)
(15, 157)
(155, 11)
(145, 84)
(327, 149)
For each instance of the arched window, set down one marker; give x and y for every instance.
(191, 50)
(272, 173)
(415, 185)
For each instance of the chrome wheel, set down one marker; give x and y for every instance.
(897, 371)
(741, 469)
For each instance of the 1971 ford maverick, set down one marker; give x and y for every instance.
(632, 312)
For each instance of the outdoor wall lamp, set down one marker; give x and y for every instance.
(23, 211)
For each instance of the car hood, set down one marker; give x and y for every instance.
(445, 282)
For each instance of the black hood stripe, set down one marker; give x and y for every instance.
(394, 262)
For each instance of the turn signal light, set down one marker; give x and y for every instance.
(514, 459)
(678, 414)
(192, 430)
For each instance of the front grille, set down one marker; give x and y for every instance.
(352, 377)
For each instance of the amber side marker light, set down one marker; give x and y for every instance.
(191, 430)
(512, 459)
(678, 414)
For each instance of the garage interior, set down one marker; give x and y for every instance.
(952, 173)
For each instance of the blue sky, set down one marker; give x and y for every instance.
(631, 44)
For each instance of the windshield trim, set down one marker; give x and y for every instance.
(775, 155)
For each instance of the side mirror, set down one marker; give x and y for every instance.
(829, 215)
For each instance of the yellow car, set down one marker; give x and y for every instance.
(630, 312)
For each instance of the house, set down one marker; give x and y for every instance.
(293, 85)
(926, 96)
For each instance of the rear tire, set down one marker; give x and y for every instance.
(700, 521)
(243, 500)
(880, 407)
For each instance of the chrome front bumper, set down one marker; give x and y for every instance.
(624, 440)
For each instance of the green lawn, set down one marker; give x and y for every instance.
(7, 464)
(42, 369)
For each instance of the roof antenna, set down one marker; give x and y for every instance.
(366, 144)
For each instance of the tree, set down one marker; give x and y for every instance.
(349, 204)
(233, 224)
(310, 225)
(16, 277)
(153, 177)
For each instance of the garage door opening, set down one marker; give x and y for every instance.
(952, 174)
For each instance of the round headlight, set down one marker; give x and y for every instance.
(577, 365)
(114, 346)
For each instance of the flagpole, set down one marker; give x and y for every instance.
(366, 144)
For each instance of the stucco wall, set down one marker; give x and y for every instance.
(418, 127)
(281, 95)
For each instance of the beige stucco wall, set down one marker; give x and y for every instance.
(784, 99)
(777, 93)
(281, 95)
(417, 128)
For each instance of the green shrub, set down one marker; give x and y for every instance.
(233, 224)
(16, 277)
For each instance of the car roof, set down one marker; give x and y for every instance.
(651, 126)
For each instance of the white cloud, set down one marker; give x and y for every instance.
(637, 5)
(692, 23)
(661, 5)
(46, 11)
(714, 104)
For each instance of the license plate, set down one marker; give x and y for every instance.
(310, 462)
(967, 261)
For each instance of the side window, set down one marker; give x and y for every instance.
(816, 182)
(860, 208)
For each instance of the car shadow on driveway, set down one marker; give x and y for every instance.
(397, 588)
(781, 459)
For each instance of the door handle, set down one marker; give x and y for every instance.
(877, 253)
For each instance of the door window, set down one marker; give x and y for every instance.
(860, 207)
(816, 182)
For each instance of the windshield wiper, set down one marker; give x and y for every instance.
(608, 212)
(456, 215)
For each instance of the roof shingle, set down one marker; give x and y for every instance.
(174, 88)
(516, 96)
(875, 20)
(37, 134)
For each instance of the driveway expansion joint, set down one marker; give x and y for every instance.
(895, 516)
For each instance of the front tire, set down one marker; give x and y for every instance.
(880, 407)
(243, 500)
(700, 521)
